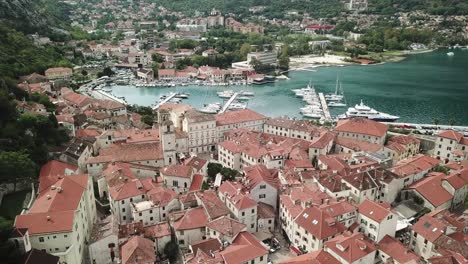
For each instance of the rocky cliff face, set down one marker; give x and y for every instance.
(31, 16)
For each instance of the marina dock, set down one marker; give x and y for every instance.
(228, 103)
(326, 111)
(104, 95)
(169, 97)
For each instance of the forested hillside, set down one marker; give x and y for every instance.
(439, 7)
(274, 8)
(30, 16)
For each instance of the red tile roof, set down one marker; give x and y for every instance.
(375, 211)
(51, 171)
(431, 189)
(239, 116)
(336, 209)
(197, 182)
(351, 246)
(213, 206)
(129, 153)
(429, 228)
(195, 162)
(162, 196)
(205, 246)
(193, 218)
(265, 211)
(177, 170)
(362, 126)
(458, 179)
(227, 226)
(158, 230)
(233, 192)
(260, 173)
(54, 209)
(46, 222)
(414, 165)
(323, 141)
(319, 223)
(450, 134)
(138, 250)
(315, 257)
(245, 247)
(397, 251)
(358, 145)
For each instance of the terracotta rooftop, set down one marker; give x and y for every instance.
(245, 247)
(129, 153)
(375, 211)
(213, 206)
(52, 171)
(260, 173)
(397, 251)
(414, 165)
(54, 209)
(319, 223)
(227, 226)
(362, 126)
(158, 230)
(431, 189)
(315, 257)
(238, 116)
(265, 211)
(138, 250)
(193, 218)
(197, 183)
(233, 192)
(429, 228)
(358, 145)
(177, 170)
(450, 134)
(351, 246)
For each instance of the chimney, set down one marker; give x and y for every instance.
(59, 189)
(48, 218)
(48, 197)
(52, 187)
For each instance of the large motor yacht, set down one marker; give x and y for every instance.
(362, 110)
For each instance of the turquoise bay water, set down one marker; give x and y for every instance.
(419, 89)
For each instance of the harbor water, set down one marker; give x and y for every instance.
(419, 89)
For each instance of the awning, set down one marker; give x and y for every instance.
(295, 250)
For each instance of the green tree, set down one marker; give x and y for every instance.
(171, 250)
(14, 165)
(213, 170)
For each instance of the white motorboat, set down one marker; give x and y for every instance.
(225, 94)
(313, 115)
(246, 93)
(236, 106)
(362, 110)
(211, 108)
(336, 104)
(243, 98)
(337, 96)
(450, 54)
(182, 95)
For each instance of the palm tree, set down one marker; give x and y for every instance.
(451, 122)
(435, 121)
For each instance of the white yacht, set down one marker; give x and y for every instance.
(336, 104)
(450, 54)
(246, 93)
(236, 106)
(362, 110)
(182, 95)
(211, 108)
(226, 94)
(304, 91)
(335, 97)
